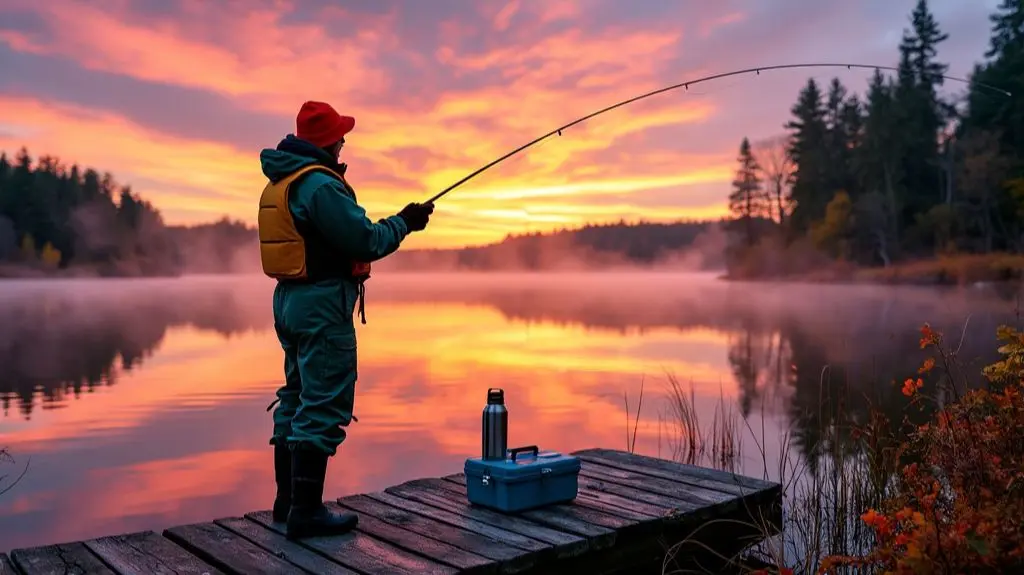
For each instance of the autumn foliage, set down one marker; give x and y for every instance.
(956, 505)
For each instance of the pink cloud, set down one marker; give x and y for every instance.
(437, 92)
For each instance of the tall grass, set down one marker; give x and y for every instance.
(717, 445)
(824, 491)
(631, 442)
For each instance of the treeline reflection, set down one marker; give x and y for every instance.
(827, 350)
(814, 345)
(61, 339)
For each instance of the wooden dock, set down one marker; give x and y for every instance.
(630, 510)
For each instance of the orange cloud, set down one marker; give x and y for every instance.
(411, 140)
(235, 181)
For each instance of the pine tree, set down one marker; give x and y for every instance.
(923, 46)
(991, 167)
(878, 166)
(921, 115)
(747, 200)
(1007, 29)
(1005, 69)
(901, 169)
(842, 135)
(808, 151)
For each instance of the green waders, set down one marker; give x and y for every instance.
(314, 325)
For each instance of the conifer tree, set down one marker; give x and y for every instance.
(808, 152)
(747, 200)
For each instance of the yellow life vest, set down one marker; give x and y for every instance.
(282, 247)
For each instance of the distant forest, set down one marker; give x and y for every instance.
(901, 174)
(56, 218)
(59, 218)
(689, 244)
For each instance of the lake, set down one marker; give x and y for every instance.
(141, 404)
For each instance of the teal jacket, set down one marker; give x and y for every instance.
(321, 202)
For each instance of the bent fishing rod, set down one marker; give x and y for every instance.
(686, 85)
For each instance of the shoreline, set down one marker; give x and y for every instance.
(1000, 269)
(962, 270)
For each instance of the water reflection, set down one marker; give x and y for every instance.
(174, 378)
(61, 338)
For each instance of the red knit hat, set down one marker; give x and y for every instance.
(319, 124)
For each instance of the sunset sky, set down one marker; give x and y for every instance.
(177, 97)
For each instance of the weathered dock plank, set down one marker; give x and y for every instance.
(147, 552)
(655, 504)
(438, 551)
(668, 506)
(275, 543)
(60, 559)
(617, 467)
(760, 501)
(588, 493)
(463, 521)
(564, 544)
(599, 529)
(363, 552)
(624, 530)
(505, 558)
(668, 469)
(628, 510)
(675, 489)
(228, 551)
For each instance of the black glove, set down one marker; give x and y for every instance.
(416, 215)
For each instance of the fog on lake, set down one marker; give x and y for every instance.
(140, 404)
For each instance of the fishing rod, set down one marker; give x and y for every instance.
(686, 85)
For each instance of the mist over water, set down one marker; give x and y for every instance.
(142, 403)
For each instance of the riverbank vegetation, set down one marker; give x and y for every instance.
(59, 220)
(893, 177)
(936, 487)
(944, 269)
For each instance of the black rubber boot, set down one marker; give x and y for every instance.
(309, 517)
(283, 475)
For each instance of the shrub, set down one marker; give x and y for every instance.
(957, 504)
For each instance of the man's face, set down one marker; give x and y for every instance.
(336, 150)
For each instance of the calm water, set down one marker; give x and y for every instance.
(141, 404)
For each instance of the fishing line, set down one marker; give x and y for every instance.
(686, 85)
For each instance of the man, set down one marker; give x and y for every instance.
(318, 243)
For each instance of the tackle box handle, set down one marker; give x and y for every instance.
(517, 450)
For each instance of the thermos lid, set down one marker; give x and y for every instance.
(495, 396)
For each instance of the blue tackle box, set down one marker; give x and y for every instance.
(526, 479)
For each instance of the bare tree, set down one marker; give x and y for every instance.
(777, 169)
